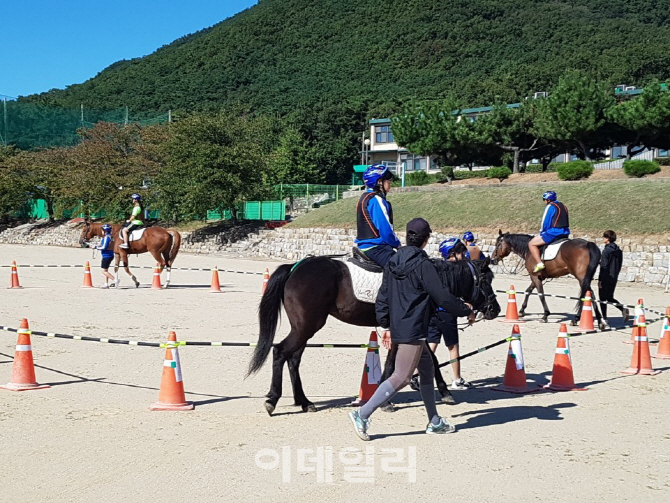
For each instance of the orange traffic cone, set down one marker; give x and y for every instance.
(664, 344)
(640, 363)
(88, 283)
(515, 375)
(562, 378)
(14, 277)
(266, 278)
(23, 370)
(511, 315)
(157, 277)
(640, 320)
(586, 319)
(216, 287)
(171, 395)
(372, 372)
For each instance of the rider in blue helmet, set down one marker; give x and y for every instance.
(135, 221)
(452, 247)
(555, 225)
(473, 250)
(374, 216)
(106, 248)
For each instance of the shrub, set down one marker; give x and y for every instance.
(501, 173)
(464, 175)
(638, 169)
(447, 173)
(575, 170)
(416, 178)
(537, 168)
(662, 161)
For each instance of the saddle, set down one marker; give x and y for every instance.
(550, 251)
(134, 235)
(359, 259)
(366, 277)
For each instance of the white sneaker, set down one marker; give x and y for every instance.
(104, 286)
(460, 384)
(441, 428)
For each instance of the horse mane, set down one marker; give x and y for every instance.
(518, 243)
(455, 274)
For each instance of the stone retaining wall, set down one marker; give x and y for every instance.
(645, 260)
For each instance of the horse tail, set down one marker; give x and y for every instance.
(268, 316)
(176, 243)
(594, 262)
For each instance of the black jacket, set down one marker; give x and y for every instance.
(610, 263)
(410, 285)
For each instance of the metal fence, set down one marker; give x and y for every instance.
(301, 198)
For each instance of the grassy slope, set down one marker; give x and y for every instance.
(629, 207)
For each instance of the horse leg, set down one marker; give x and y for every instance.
(282, 352)
(298, 393)
(529, 290)
(540, 290)
(124, 260)
(117, 258)
(161, 262)
(168, 266)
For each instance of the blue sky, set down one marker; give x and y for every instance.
(50, 44)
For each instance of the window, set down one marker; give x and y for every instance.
(383, 134)
(618, 152)
(663, 153)
(413, 162)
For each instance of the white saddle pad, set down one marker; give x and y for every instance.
(366, 284)
(551, 250)
(135, 235)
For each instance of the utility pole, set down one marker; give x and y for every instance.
(126, 121)
(81, 119)
(170, 116)
(4, 109)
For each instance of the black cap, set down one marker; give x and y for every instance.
(419, 227)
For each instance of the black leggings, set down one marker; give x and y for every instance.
(606, 294)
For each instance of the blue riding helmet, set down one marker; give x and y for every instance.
(550, 195)
(106, 228)
(468, 236)
(375, 173)
(447, 245)
(136, 197)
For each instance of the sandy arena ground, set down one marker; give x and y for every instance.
(91, 436)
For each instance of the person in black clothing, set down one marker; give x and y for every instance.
(610, 267)
(410, 286)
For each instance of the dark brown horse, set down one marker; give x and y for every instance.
(317, 287)
(577, 257)
(161, 243)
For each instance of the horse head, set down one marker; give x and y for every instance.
(86, 233)
(502, 248)
(486, 301)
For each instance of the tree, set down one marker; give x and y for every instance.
(292, 161)
(512, 130)
(575, 113)
(642, 122)
(214, 163)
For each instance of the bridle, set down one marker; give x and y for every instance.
(478, 290)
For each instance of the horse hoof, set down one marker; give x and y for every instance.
(448, 398)
(521, 314)
(573, 323)
(388, 407)
(269, 408)
(544, 320)
(603, 326)
(310, 407)
(137, 285)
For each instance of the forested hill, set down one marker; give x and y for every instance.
(281, 54)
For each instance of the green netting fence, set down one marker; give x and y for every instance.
(31, 125)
